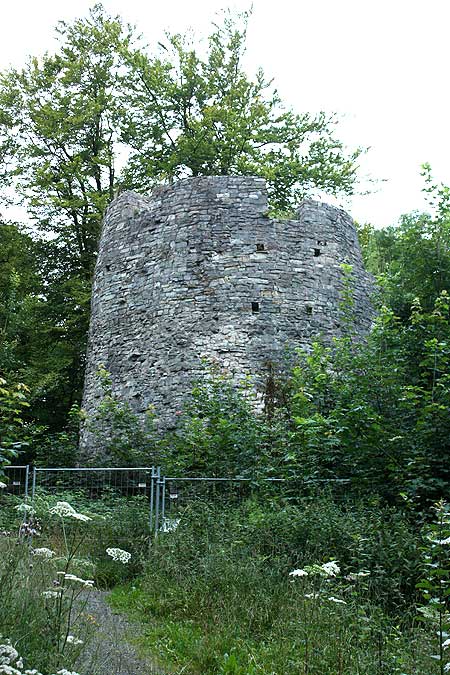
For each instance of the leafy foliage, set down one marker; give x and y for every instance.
(412, 260)
(202, 115)
(13, 401)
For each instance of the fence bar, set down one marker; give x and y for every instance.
(163, 506)
(94, 468)
(152, 496)
(158, 480)
(33, 488)
(263, 480)
(27, 478)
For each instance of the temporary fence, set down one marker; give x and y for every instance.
(17, 478)
(164, 498)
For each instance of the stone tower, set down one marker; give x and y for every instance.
(199, 269)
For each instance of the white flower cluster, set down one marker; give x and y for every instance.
(298, 573)
(72, 640)
(354, 576)
(12, 664)
(119, 555)
(43, 552)
(48, 595)
(2, 485)
(65, 510)
(337, 600)
(87, 583)
(440, 542)
(329, 569)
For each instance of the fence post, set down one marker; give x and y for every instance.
(163, 502)
(33, 485)
(152, 496)
(27, 477)
(157, 482)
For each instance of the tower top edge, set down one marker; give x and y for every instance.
(212, 188)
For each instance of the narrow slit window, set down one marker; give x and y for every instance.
(255, 307)
(309, 309)
(317, 252)
(260, 247)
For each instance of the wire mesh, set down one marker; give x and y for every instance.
(119, 500)
(138, 493)
(177, 494)
(17, 480)
(95, 483)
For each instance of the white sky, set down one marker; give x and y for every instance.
(382, 64)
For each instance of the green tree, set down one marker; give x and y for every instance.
(59, 118)
(202, 115)
(19, 286)
(12, 404)
(412, 260)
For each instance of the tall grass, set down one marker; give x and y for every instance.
(217, 596)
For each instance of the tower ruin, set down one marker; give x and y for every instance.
(198, 269)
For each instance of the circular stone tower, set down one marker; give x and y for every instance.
(198, 269)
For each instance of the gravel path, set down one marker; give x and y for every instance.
(110, 652)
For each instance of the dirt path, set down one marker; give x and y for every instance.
(110, 652)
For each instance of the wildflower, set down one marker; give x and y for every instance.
(354, 576)
(2, 485)
(88, 583)
(298, 573)
(30, 529)
(71, 639)
(9, 670)
(170, 524)
(312, 596)
(8, 654)
(446, 643)
(447, 667)
(65, 510)
(52, 594)
(66, 672)
(119, 555)
(331, 568)
(337, 600)
(24, 508)
(43, 552)
(441, 542)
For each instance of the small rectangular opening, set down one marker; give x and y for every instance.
(309, 309)
(260, 247)
(317, 252)
(255, 307)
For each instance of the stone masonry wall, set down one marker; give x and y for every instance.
(199, 269)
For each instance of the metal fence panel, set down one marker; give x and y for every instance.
(165, 498)
(17, 480)
(101, 487)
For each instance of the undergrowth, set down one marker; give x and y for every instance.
(217, 596)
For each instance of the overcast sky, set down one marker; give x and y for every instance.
(383, 65)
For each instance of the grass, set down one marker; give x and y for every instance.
(216, 597)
